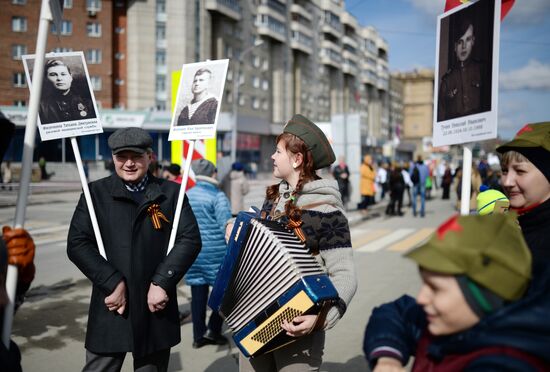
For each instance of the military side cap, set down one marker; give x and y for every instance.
(130, 139)
(531, 135)
(314, 138)
(490, 250)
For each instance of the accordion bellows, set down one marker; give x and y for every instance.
(267, 275)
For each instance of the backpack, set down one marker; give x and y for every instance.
(415, 176)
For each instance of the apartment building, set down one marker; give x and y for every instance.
(286, 56)
(418, 90)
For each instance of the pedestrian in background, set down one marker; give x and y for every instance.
(382, 179)
(419, 173)
(212, 210)
(6, 175)
(397, 187)
(366, 184)
(134, 305)
(172, 173)
(408, 183)
(235, 185)
(446, 182)
(341, 175)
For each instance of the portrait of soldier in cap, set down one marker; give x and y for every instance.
(66, 94)
(465, 85)
(203, 106)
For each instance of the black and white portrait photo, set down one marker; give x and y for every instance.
(67, 95)
(466, 84)
(465, 62)
(199, 99)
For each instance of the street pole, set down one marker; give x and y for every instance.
(26, 163)
(236, 84)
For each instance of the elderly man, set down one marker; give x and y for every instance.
(133, 306)
(464, 87)
(203, 107)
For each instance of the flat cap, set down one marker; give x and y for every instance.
(490, 250)
(314, 138)
(130, 139)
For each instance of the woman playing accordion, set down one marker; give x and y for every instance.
(313, 208)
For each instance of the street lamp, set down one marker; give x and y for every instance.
(236, 84)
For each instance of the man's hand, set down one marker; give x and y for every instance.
(387, 364)
(116, 301)
(20, 252)
(156, 298)
(300, 326)
(228, 229)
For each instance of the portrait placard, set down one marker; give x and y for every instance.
(466, 79)
(67, 103)
(198, 101)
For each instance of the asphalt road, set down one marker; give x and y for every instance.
(50, 326)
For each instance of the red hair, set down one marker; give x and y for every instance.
(294, 145)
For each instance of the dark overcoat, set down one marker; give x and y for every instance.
(136, 253)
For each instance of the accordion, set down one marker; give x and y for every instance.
(268, 275)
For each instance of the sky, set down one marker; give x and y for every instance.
(409, 27)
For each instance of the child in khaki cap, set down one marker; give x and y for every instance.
(472, 268)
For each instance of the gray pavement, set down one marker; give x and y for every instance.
(50, 326)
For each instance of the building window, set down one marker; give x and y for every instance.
(94, 29)
(255, 81)
(229, 76)
(93, 5)
(119, 30)
(96, 82)
(228, 51)
(255, 103)
(66, 28)
(19, 24)
(18, 2)
(241, 79)
(160, 84)
(160, 105)
(62, 50)
(265, 85)
(161, 31)
(119, 56)
(265, 66)
(160, 57)
(241, 99)
(18, 50)
(161, 6)
(119, 82)
(265, 104)
(67, 4)
(256, 61)
(93, 56)
(19, 80)
(20, 103)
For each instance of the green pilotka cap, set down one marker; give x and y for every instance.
(489, 250)
(531, 135)
(314, 138)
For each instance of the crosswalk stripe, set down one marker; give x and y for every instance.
(49, 229)
(384, 241)
(412, 240)
(369, 237)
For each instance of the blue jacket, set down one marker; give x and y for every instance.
(212, 210)
(523, 325)
(423, 170)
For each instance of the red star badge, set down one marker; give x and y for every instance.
(450, 225)
(526, 128)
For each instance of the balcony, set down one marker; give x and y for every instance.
(369, 77)
(350, 41)
(270, 27)
(327, 44)
(332, 28)
(228, 8)
(302, 42)
(331, 58)
(300, 10)
(350, 67)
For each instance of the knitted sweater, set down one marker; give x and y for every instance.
(212, 210)
(326, 229)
